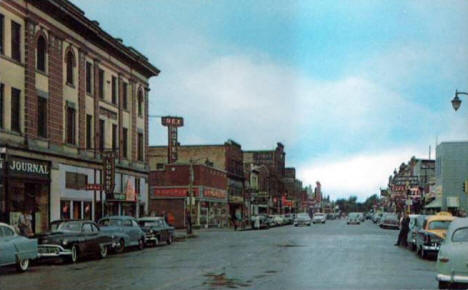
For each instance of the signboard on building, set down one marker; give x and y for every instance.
(172, 123)
(405, 180)
(93, 187)
(108, 163)
(27, 167)
(215, 193)
(173, 192)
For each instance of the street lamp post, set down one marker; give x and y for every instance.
(456, 102)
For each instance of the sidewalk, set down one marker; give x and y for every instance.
(181, 235)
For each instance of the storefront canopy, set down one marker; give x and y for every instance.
(436, 203)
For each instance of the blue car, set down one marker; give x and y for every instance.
(15, 249)
(124, 230)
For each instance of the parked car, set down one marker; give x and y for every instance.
(260, 221)
(156, 230)
(415, 224)
(278, 220)
(270, 220)
(15, 249)
(429, 238)
(376, 217)
(288, 219)
(353, 218)
(389, 221)
(125, 230)
(362, 217)
(302, 219)
(73, 239)
(452, 261)
(319, 218)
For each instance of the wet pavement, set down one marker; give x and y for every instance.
(332, 255)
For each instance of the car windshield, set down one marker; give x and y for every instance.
(110, 222)
(302, 215)
(149, 223)
(460, 236)
(65, 227)
(439, 225)
(318, 215)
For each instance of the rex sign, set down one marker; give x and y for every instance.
(172, 123)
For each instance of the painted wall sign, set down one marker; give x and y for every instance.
(174, 192)
(215, 193)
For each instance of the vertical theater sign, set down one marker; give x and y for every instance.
(172, 123)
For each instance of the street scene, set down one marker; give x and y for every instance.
(233, 144)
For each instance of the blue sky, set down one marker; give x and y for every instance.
(352, 88)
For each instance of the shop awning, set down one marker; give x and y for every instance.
(452, 201)
(436, 203)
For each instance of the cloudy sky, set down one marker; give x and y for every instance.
(351, 88)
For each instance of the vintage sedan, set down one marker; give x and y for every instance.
(319, 217)
(302, 219)
(452, 261)
(125, 230)
(353, 218)
(156, 230)
(416, 223)
(389, 221)
(260, 221)
(429, 238)
(15, 249)
(73, 240)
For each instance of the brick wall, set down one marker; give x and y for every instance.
(30, 95)
(133, 132)
(175, 208)
(55, 90)
(81, 99)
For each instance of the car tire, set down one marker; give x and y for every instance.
(141, 244)
(170, 240)
(103, 252)
(121, 246)
(74, 254)
(22, 265)
(444, 285)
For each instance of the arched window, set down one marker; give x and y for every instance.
(140, 103)
(70, 61)
(41, 53)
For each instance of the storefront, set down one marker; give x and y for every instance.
(26, 191)
(213, 208)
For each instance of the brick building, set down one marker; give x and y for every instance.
(274, 160)
(226, 157)
(68, 92)
(170, 189)
(293, 190)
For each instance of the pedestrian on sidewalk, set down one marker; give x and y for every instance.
(188, 219)
(404, 229)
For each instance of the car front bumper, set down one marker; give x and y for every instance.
(434, 248)
(51, 251)
(454, 278)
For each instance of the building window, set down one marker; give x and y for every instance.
(71, 129)
(101, 84)
(89, 131)
(1, 106)
(41, 54)
(160, 166)
(89, 73)
(114, 90)
(15, 41)
(42, 117)
(70, 62)
(102, 133)
(15, 110)
(125, 142)
(140, 103)
(1, 33)
(114, 136)
(124, 97)
(140, 147)
(75, 180)
(137, 186)
(65, 209)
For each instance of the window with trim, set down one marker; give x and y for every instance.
(89, 78)
(125, 142)
(102, 133)
(89, 131)
(137, 186)
(2, 25)
(101, 84)
(41, 54)
(15, 110)
(1, 106)
(70, 60)
(140, 103)
(114, 90)
(42, 117)
(140, 147)
(74, 180)
(15, 41)
(124, 96)
(71, 126)
(114, 136)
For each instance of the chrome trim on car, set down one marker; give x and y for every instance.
(51, 250)
(452, 278)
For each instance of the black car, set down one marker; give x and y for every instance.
(72, 240)
(156, 230)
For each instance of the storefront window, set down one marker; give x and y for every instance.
(65, 209)
(77, 210)
(87, 210)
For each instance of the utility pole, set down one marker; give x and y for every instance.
(189, 228)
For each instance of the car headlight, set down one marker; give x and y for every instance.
(151, 231)
(64, 242)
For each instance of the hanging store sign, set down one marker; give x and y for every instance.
(108, 163)
(172, 123)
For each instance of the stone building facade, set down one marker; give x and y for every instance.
(69, 91)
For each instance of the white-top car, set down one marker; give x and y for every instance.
(319, 217)
(302, 219)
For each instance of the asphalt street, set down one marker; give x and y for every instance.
(332, 255)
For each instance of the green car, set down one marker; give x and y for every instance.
(452, 260)
(15, 249)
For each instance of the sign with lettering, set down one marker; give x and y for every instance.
(405, 180)
(28, 167)
(215, 193)
(174, 192)
(93, 187)
(108, 163)
(172, 123)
